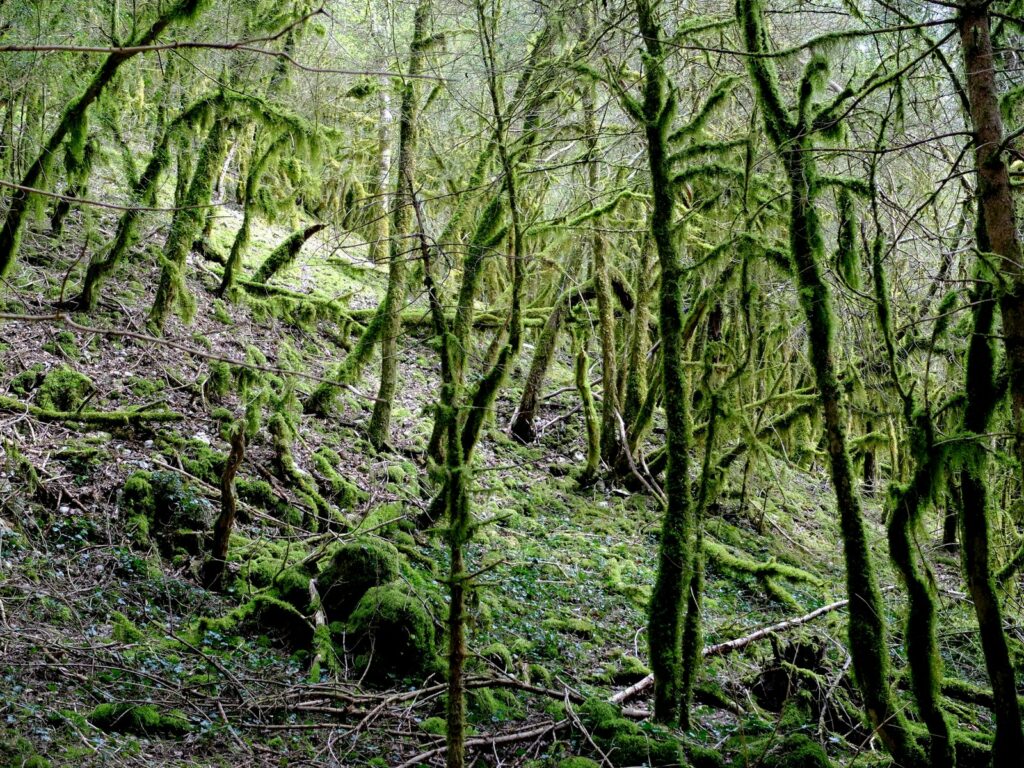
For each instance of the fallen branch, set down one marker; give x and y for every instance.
(720, 649)
(490, 741)
(94, 418)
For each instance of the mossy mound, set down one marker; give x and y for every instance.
(351, 570)
(626, 743)
(394, 634)
(162, 505)
(138, 719)
(63, 389)
(578, 762)
(797, 751)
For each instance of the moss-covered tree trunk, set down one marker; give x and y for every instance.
(401, 219)
(611, 445)
(675, 554)
(591, 425)
(72, 124)
(241, 241)
(906, 505)
(867, 633)
(185, 225)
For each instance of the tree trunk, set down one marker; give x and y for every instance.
(868, 642)
(214, 570)
(675, 553)
(184, 227)
(999, 235)
(401, 219)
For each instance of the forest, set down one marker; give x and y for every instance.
(512, 383)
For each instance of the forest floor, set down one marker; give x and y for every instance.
(111, 653)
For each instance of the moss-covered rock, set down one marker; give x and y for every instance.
(27, 380)
(394, 634)
(292, 586)
(797, 751)
(351, 570)
(63, 389)
(139, 719)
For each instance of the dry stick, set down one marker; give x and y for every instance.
(734, 645)
(489, 741)
(652, 487)
(61, 317)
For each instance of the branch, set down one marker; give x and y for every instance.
(729, 646)
(488, 741)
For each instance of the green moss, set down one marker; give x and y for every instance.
(138, 719)
(292, 586)
(498, 655)
(339, 490)
(263, 615)
(27, 380)
(434, 725)
(161, 504)
(63, 389)
(123, 630)
(146, 387)
(218, 380)
(351, 570)
(578, 762)
(571, 625)
(625, 742)
(220, 313)
(395, 634)
(703, 757)
(20, 753)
